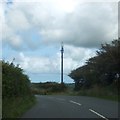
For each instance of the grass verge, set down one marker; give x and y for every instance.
(104, 92)
(109, 93)
(15, 107)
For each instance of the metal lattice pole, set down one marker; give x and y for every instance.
(62, 50)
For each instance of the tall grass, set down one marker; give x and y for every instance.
(48, 88)
(15, 107)
(108, 92)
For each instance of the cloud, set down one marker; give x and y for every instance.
(75, 23)
(77, 53)
(119, 19)
(38, 64)
(73, 58)
(1, 19)
(11, 39)
(17, 20)
(88, 26)
(76, 56)
(33, 29)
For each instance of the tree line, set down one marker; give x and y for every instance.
(103, 69)
(48, 88)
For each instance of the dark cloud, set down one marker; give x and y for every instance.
(88, 25)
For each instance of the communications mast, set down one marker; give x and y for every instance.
(62, 50)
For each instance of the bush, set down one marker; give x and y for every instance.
(16, 91)
(58, 88)
(14, 82)
(48, 88)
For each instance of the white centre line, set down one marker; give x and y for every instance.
(98, 114)
(75, 102)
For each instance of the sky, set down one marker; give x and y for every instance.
(31, 31)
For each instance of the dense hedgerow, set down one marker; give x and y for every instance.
(14, 82)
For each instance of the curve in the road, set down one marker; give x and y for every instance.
(72, 107)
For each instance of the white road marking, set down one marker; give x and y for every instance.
(75, 102)
(98, 114)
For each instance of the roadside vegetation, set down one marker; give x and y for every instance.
(48, 88)
(16, 92)
(100, 76)
(109, 92)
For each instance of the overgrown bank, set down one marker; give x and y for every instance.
(15, 107)
(109, 92)
(48, 88)
(51, 88)
(100, 76)
(16, 92)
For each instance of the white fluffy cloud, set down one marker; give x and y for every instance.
(73, 58)
(75, 23)
(39, 64)
(81, 25)
(78, 53)
(17, 20)
(87, 26)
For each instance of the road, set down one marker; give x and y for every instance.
(72, 107)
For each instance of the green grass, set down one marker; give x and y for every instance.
(105, 92)
(108, 92)
(95, 94)
(15, 107)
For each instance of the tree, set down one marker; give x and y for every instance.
(100, 69)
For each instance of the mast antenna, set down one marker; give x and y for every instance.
(62, 51)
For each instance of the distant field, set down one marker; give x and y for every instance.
(109, 92)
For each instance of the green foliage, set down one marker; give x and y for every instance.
(14, 81)
(16, 92)
(100, 69)
(48, 88)
(109, 92)
(15, 107)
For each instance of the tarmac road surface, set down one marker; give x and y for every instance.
(56, 106)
